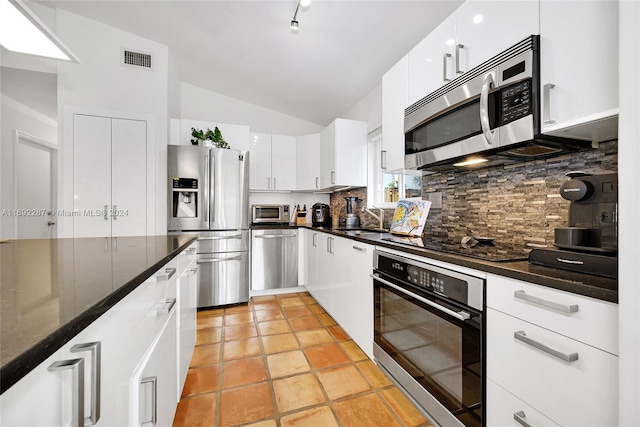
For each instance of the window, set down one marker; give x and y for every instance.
(386, 188)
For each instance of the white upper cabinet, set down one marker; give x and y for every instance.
(260, 161)
(307, 164)
(579, 68)
(283, 162)
(431, 62)
(395, 96)
(343, 154)
(475, 32)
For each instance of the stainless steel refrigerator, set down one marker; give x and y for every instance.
(209, 194)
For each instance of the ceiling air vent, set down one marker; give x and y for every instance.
(137, 59)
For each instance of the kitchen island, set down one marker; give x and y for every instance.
(52, 289)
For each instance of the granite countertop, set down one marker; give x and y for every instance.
(601, 288)
(51, 289)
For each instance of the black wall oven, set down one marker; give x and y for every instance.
(429, 336)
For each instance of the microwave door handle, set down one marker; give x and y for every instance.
(484, 109)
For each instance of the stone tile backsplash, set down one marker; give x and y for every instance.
(519, 204)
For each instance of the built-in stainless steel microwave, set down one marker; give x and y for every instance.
(491, 114)
(270, 214)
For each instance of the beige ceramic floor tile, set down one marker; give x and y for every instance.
(209, 322)
(373, 374)
(289, 302)
(205, 355)
(274, 327)
(209, 336)
(401, 406)
(237, 332)
(266, 423)
(342, 381)
(297, 392)
(196, 411)
(304, 323)
(315, 417)
(326, 355)
(326, 320)
(246, 404)
(242, 372)
(201, 380)
(279, 343)
(239, 349)
(269, 314)
(288, 363)
(238, 318)
(367, 410)
(316, 309)
(297, 311)
(354, 352)
(314, 337)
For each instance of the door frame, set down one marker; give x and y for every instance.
(156, 158)
(19, 135)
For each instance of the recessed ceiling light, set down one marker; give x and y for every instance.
(471, 162)
(22, 31)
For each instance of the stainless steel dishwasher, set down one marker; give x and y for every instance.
(274, 259)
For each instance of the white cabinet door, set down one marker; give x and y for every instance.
(260, 161)
(324, 285)
(128, 177)
(328, 156)
(351, 153)
(340, 284)
(92, 176)
(486, 28)
(41, 389)
(431, 62)
(283, 162)
(237, 136)
(153, 385)
(360, 329)
(395, 98)
(565, 32)
(503, 408)
(312, 263)
(308, 162)
(187, 303)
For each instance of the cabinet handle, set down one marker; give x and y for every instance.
(317, 182)
(194, 271)
(168, 306)
(269, 183)
(445, 57)
(106, 212)
(333, 177)
(234, 236)
(546, 106)
(573, 308)
(169, 272)
(383, 159)
(358, 248)
(77, 393)
(274, 183)
(191, 251)
(114, 213)
(458, 47)
(521, 336)
(96, 373)
(274, 236)
(235, 258)
(313, 239)
(520, 419)
(154, 400)
(484, 108)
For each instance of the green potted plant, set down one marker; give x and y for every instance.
(210, 138)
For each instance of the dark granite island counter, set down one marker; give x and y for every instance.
(52, 289)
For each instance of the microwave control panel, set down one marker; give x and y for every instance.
(516, 101)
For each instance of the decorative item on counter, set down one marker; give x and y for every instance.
(210, 138)
(301, 215)
(410, 217)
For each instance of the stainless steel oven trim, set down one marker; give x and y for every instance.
(461, 315)
(436, 411)
(476, 285)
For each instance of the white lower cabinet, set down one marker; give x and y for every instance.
(118, 356)
(504, 409)
(187, 304)
(551, 356)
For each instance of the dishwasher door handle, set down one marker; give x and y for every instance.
(274, 236)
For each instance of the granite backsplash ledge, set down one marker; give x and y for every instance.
(518, 204)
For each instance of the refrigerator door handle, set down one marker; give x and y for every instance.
(207, 187)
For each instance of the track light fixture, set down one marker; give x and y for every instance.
(295, 25)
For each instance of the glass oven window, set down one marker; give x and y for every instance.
(441, 352)
(267, 213)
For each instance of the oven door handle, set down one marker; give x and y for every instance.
(462, 315)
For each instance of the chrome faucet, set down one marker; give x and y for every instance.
(379, 217)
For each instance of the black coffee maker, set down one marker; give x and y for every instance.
(590, 242)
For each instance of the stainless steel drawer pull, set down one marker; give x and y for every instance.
(521, 336)
(96, 374)
(154, 400)
(274, 236)
(235, 258)
(194, 271)
(570, 261)
(573, 308)
(234, 236)
(445, 59)
(546, 103)
(169, 272)
(520, 419)
(77, 392)
(358, 248)
(458, 69)
(168, 306)
(191, 251)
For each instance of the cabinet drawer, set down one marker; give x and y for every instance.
(186, 257)
(503, 408)
(581, 392)
(592, 321)
(153, 322)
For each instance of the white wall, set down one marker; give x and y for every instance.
(15, 116)
(629, 196)
(369, 109)
(203, 104)
(100, 83)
